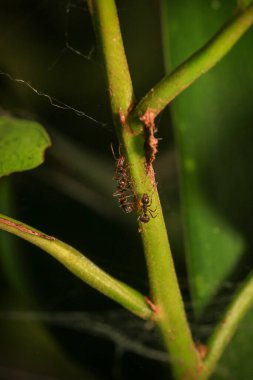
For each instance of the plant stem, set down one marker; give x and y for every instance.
(106, 24)
(242, 301)
(241, 4)
(168, 305)
(80, 266)
(195, 66)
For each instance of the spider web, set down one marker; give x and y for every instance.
(128, 333)
(69, 6)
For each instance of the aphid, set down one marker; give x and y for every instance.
(123, 190)
(123, 194)
(146, 210)
(126, 206)
(120, 161)
(121, 168)
(123, 185)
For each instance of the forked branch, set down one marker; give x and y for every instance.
(195, 66)
(165, 293)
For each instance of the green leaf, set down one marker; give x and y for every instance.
(235, 363)
(22, 145)
(213, 132)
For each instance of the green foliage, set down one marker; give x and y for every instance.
(212, 134)
(213, 127)
(235, 363)
(243, 3)
(22, 145)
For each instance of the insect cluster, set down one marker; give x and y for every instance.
(124, 193)
(124, 190)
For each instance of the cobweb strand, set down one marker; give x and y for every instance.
(53, 101)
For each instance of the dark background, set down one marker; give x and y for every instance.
(53, 326)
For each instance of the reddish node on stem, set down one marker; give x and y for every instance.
(202, 350)
(122, 118)
(123, 122)
(152, 306)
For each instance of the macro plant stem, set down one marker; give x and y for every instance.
(80, 266)
(195, 66)
(166, 300)
(223, 333)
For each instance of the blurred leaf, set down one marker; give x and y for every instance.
(213, 129)
(28, 350)
(235, 363)
(243, 3)
(213, 126)
(12, 268)
(22, 145)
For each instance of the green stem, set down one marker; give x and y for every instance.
(106, 24)
(241, 4)
(80, 266)
(242, 301)
(195, 66)
(168, 305)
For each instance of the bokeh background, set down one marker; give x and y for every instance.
(52, 325)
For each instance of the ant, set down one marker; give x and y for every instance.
(145, 205)
(123, 190)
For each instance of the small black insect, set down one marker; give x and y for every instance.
(146, 210)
